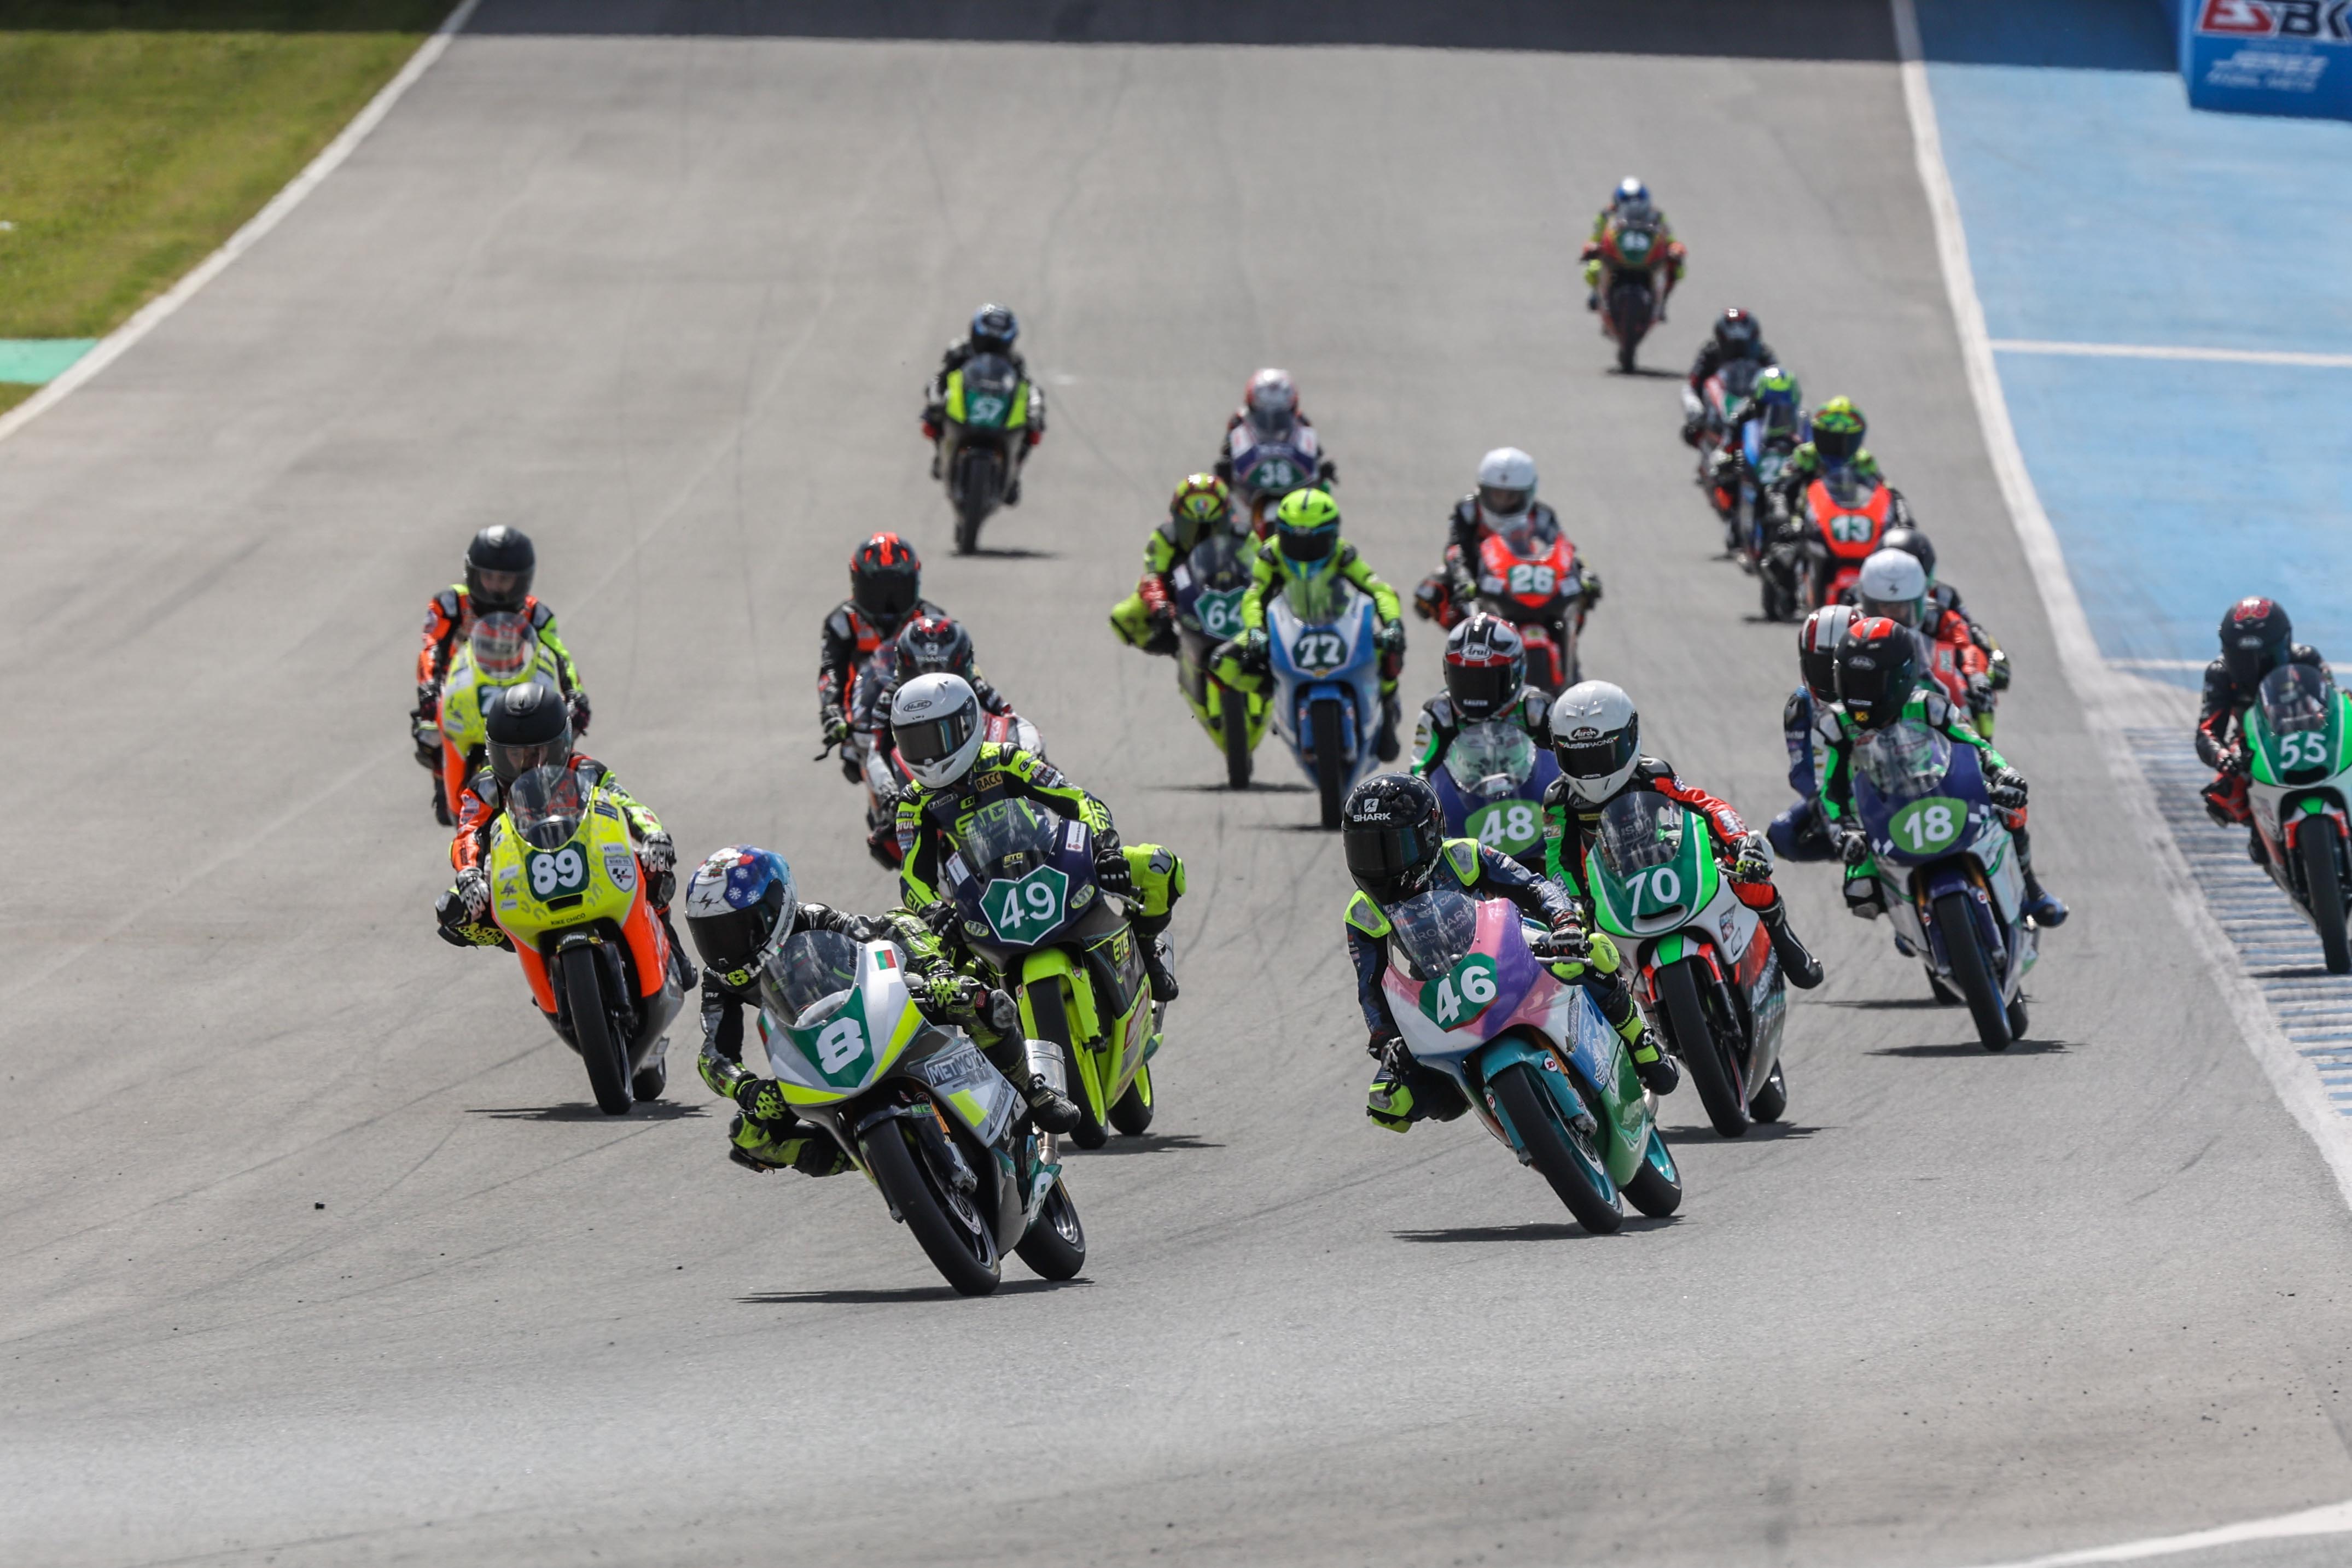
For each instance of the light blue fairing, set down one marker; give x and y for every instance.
(1354, 678)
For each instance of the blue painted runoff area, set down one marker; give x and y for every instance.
(2102, 210)
(40, 360)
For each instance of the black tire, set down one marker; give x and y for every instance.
(1714, 1070)
(1053, 1024)
(1330, 771)
(1770, 1103)
(2018, 1018)
(1944, 996)
(1566, 1161)
(983, 482)
(1233, 719)
(649, 1082)
(948, 1227)
(1055, 1247)
(1624, 357)
(1656, 1189)
(1970, 972)
(1132, 1113)
(606, 1056)
(2315, 846)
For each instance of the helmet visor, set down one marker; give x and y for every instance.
(934, 740)
(1386, 859)
(1902, 611)
(511, 762)
(1501, 503)
(1308, 544)
(729, 940)
(492, 589)
(887, 595)
(1836, 446)
(1595, 759)
(1480, 691)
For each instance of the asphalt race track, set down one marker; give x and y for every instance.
(666, 298)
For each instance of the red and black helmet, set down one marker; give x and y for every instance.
(2255, 637)
(1485, 666)
(886, 579)
(1817, 645)
(931, 645)
(1877, 669)
(1736, 334)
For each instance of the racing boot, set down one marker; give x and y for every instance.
(2255, 849)
(1658, 1071)
(758, 1147)
(1389, 1101)
(1384, 744)
(441, 802)
(1157, 968)
(1804, 970)
(1050, 1110)
(2045, 911)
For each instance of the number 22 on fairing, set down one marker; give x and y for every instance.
(1319, 650)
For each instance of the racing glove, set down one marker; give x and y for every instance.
(660, 858)
(1112, 871)
(1250, 652)
(2006, 789)
(1853, 847)
(1153, 591)
(1003, 1013)
(1752, 859)
(468, 901)
(1327, 474)
(1390, 639)
(581, 712)
(836, 728)
(1569, 941)
(940, 916)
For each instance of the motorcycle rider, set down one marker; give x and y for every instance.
(1630, 204)
(500, 650)
(500, 564)
(1306, 544)
(1943, 597)
(994, 329)
(1486, 678)
(1596, 735)
(886, 590)
(1808, 723)
(1394, 834)
(1269, 411)
(741, 906)
(1838, 428)
(1879, 682)
(1737, 336)
(1893, 584)
(1504, 504)
(2256, 638)
(927, 646)
(935, 723)
(530, 726)
(1146, 619)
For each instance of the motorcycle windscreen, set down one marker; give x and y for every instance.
(809, 977)
(1435, 930)
(990, 386)
(2300, 711)
(1903, 761)
(547, 806)
(1318, 597)
(1640, 828)
(1492, 759)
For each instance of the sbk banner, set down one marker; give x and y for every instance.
(2268, 56)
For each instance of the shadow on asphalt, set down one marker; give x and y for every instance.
(659, 1111)
(1976, 1048)
(1148, 1144)
(990, 552)
(1889, 1003)
(1256, 788)
(1644, 372)
(909, 1296)
(1761, 1133)
(1553, 1230)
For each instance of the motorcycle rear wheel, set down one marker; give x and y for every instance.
(1055, 1247)
(951, 1231)
(1132, 1113)
(1559, 1154)
(1713, 1068)
(2315, 846)
(607, 1057)
(1330, 768)
(983, 483)
(1233, 726)
(1770, 1103)
(1053, 1024)
(1971, 975)
(1656, 1188)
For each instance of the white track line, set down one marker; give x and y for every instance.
(2174, 351)
(2106, 694)
(2335, 1519)
(160, 309)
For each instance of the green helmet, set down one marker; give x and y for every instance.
(1780, 401)
(1307, 526)
(1838, 428)
(1201, 499)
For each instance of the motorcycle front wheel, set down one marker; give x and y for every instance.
(1656, 1189)
(1053, 1024)
(1972, 973)
(1055, 1247)
(1233, 727)
(983, 482)
(605, 1054)
(948, 1226)
(1562, 1156)
(1712, 1068)
(2315, 846)
(1330, 767)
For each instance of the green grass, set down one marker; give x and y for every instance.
(136, 136)
(14, 392)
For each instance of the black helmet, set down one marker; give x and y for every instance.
(933, 645)
(2255, 637)
(993, 328)
(1393, 830)
(886, 580)
(1913, 543)
(1485, 666)
(1737, 334)
(527, 727)
(737, 902)
(498, 565)
(1877, 668)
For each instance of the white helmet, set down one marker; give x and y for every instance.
(1892, 585)
(935, 720)
(1506, 487)
(1271, 400)
(1597, 735)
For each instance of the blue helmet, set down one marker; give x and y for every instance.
(993, 328)
(1632, 198)
(740, 903)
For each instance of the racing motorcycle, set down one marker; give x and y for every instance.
(1023, 880)
(1758, 519)
(1846, 514)
(1208, 587)
(2296, 784)
(1704, 968)
(888, 777)
(500, 650)
(1726, 400)
(1470, 991)
(921, 1110)
(986, 426)
(567, 890)
(1632, 274)
(1945, 871)
(1327, 682)
(1267, 470)
(1527, 575)
(1491, 787)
